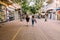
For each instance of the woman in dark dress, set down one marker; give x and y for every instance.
(27, 19)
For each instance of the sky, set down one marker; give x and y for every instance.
(31, 3)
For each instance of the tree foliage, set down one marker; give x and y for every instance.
(25, 5)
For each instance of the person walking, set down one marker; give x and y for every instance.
(46, 16)
(33, 20)
(27, 19)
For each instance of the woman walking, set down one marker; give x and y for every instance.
(46, 16)
(27, 19)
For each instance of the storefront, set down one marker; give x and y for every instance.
(10, 14)
(2, 13)
(15, 8)
(52, 14)
(58, 13)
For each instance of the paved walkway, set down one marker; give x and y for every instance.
(16, 30)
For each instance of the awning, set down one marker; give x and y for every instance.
(49, 11)
(3, 3)
(57, 9)
(13, 7)
(6, 2)
(16, 6)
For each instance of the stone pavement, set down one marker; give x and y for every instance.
(16, 30)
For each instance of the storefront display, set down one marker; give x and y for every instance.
(2, 13)
(11, 16)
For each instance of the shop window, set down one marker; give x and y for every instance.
(2, 13)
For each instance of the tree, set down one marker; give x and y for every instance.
(25, 5)
(38, 5)
(32, 10)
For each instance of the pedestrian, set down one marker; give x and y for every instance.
(46, 16)
(33, 20)
(27, 19)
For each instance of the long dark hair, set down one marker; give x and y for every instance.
(27, 16)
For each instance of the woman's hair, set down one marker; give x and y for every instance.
(26, 15)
